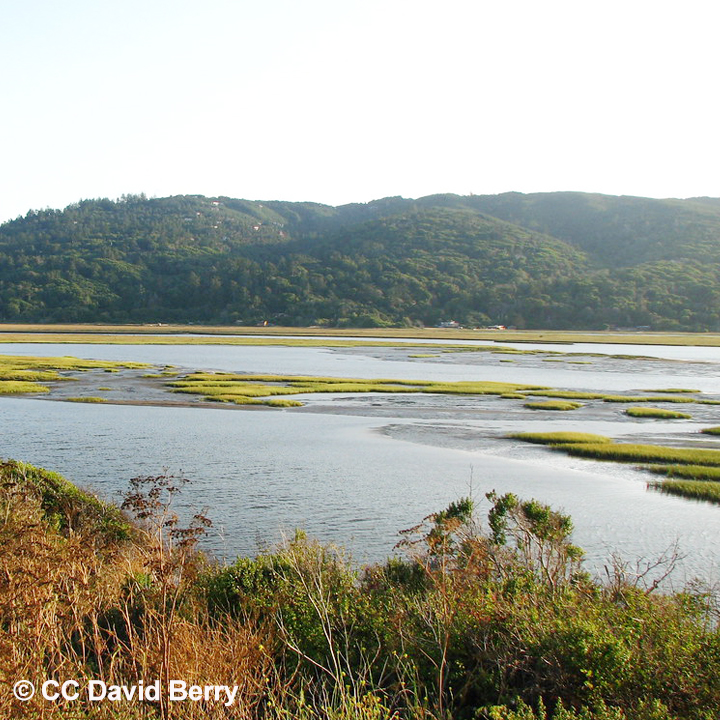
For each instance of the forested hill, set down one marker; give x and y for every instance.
(550, 260)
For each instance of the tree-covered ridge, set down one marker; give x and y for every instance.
(554, 260)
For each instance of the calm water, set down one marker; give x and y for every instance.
(356, 470)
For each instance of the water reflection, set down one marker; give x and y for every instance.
(356, 478)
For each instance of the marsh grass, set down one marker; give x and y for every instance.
(626, 452)
(553, 405)
(20, 374)
(658, 413)
(17, 387)
(29, 331)
(225, 386)
(86, 399)
(693, 489)
(558, 438)
(648, 398)
(688, 472)
(568, 394)
(673, 390)
(609, 397)
(711, 430)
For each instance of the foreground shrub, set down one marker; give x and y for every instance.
(483, 620)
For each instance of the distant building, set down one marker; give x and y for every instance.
(449, 324)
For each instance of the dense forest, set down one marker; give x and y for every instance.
(551, 260)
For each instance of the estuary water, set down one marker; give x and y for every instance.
(356, 469)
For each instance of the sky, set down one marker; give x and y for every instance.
(339, 101)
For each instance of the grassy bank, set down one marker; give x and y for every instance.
(254, 389)
(560, 405)
(698, 469)
(490, 620)
(450, 334)
(693, 489)
(656, 413)
(24, 374)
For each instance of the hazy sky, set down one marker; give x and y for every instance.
(340, 101)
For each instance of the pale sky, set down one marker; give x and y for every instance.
(339, 101)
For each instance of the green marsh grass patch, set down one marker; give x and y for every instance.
(30, 375)
(24, 374)
(568, 394)
(648, 398)
(673, 390)
(86, 399)
(561, 405)
(558, 438)
(513, 396)
(711, 430)
(693, 489)
(687, 472)
(626, 452)
(225, 386)
(18, 387)
(657, 413)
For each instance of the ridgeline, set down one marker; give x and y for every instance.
(551, 260)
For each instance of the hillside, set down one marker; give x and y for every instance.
(552, 260)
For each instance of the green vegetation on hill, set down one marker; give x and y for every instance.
(554, 260)
(492, 619)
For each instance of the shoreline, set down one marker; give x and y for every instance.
(59, 332)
